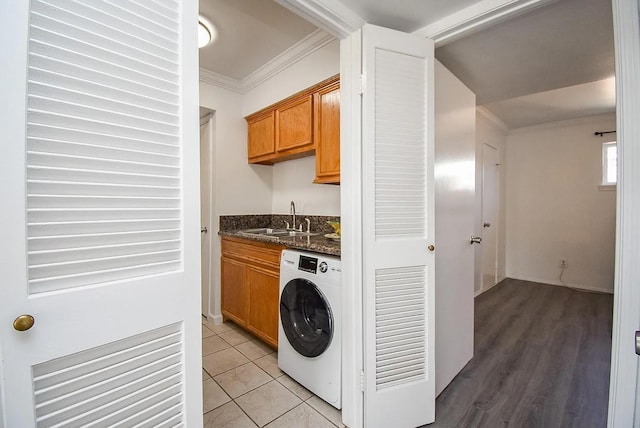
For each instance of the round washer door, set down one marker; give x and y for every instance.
(306, 317)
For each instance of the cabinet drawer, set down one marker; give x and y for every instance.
(253, 252)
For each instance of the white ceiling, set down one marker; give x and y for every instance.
(405, 15)
(568, 103)
(566, 43)
(249, 34)
(563, 44)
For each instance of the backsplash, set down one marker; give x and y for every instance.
(276, 221)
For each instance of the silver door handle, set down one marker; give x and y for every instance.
(486, 225)
(637, 342)
(475, 240)
(204, 229)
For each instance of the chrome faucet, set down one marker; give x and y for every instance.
(292, 211)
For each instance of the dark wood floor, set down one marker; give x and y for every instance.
(542, 359)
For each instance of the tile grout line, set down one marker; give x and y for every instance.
(272, 378)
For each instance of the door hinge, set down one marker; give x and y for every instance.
(362, 380)
(363, 84)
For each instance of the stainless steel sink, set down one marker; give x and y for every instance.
(276, 233)
(300, 233)
(265, 231)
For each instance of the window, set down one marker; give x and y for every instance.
(609, 163)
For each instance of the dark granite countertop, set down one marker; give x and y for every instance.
(233, 225)
(316, 243)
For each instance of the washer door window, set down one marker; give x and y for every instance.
(306, 317)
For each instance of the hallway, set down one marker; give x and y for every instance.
(541, 359)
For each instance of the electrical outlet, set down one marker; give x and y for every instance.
(563, 263)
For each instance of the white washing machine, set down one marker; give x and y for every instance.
(309, 331)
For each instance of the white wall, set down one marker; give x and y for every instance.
(489, 132)
(454, 170)
(234, 178)
(293, 180)
(555, 208)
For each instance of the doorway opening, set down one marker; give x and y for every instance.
(207, 228)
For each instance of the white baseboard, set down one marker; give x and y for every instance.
(479, 292)
(564, 284)
(215, 319)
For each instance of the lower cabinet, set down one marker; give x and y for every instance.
(250, 286)
(234, 290)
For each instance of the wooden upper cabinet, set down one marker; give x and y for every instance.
(294, 126)
(327, 134)
(289, 129)
(262, 136)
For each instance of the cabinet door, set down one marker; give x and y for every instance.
(264, 288)
(294, 126)
(235, 296)
(261, 136)
(327, 134)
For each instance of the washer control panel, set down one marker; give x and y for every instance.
(313, 265)
(308, 264)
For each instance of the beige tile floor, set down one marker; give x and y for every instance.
(244, 388)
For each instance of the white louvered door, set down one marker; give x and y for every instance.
(100, 214)
(398, 227)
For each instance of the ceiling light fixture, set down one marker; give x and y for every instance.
(206, 32)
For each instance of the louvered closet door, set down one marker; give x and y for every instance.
(398, 227)
(100, 215)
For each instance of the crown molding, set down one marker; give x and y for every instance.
(476, 17)
(330, 15)
(584, 120)
(492, 119)
(286, 59)
(216, 79)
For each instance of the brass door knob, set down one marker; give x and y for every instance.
(431, 248)
(23, 322)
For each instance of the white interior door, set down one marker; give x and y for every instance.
(99, 185)
(398, 227)
(205, 212)
(455, 188)
(489, 246)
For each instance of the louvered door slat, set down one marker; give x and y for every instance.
(95, 176)
(56, 133)
(110, 383)
(103, 134)
(70, 103)
(59, 23)
(105, 25)
(158, 108)
(105, 152)
(96, 240)
(40, 215)
(59, 256)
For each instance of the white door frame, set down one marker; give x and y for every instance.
(626, 301)
(352, 241)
